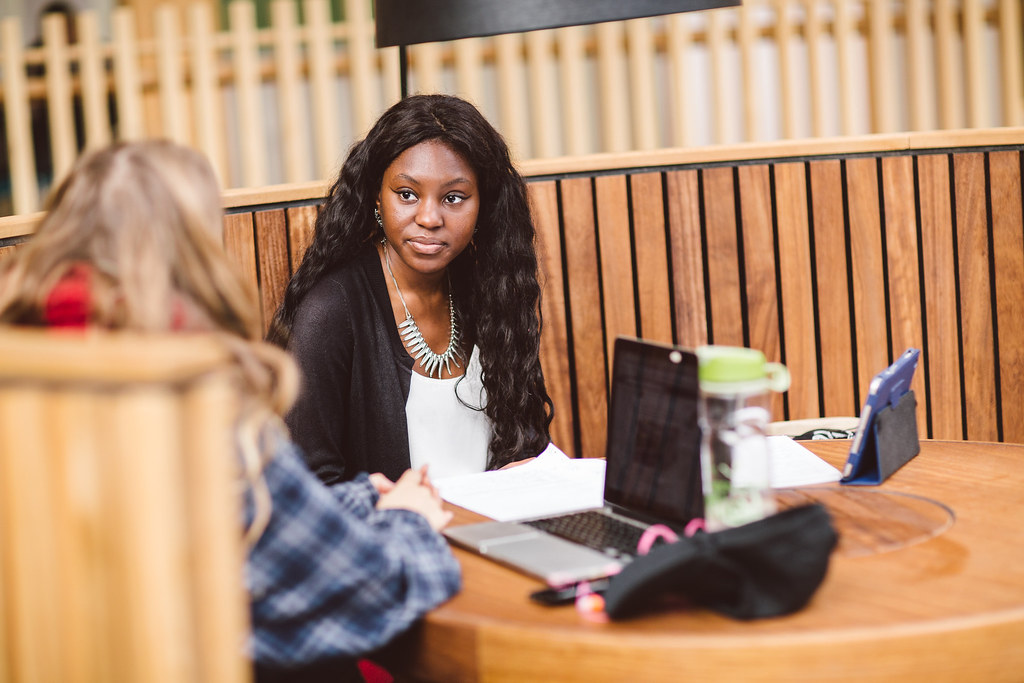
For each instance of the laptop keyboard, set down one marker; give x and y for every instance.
(595, 530)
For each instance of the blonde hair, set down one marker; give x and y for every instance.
(147, 218)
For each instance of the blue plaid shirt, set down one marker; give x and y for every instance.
(332, 576)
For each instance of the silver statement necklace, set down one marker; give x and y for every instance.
(413, 338)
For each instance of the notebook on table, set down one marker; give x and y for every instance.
(652, 476)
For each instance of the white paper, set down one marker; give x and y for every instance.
(551, 484)
(794, 465)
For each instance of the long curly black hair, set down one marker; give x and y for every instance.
(494, 280)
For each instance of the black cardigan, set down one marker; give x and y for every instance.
(350, 414)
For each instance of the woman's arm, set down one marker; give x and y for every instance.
(326, 583)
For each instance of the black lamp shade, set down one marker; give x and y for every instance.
(407, 22)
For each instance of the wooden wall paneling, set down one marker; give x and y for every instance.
(554, 341)
(1008, 252)
(274, 272)
(902, 254)
(652, 273)
(759, 261)
(833, 304)
(616, 259)
(800, 350)
(301, 227)
(588, 346)
(240, 244)
(975, 297)
(723, 257)
(686, 248)
(871, 327)
(942, 352)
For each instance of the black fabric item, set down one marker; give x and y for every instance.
(335, 671)
(762, 569)
(350, 412)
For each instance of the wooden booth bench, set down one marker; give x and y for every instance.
(832, 256)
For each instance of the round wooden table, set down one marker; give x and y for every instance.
(947, 605)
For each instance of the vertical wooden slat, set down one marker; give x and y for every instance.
(920, 82)
(94, 83)
(469, 62)
(218, 558)
(240, 245)
(759, 249)
(939, 281)
(58, 95)
(797, 297)
(901, 251)
(679, 43)
(723, 257)
(869, 306)
(206, 107)
(543, 116)
(301, 222)
(361, 73)
(322, 86)
(512, 93)
(585, 308)
(716, 46)
(616, 259)
(85, 594)
(748, 59)
(272, 247)
(653, 285)
(947, 75)
(1008, 251)
(286, 60)
(149, 493)
(1011, 52)
(833, 304)
(390, 74)
(784, 39)
(882, 77)
(17, 113)
(425, 65)
(32, 560)
(554, 342)
(130, 125)
(845, 31)
(174, 117)
(643, 102)
(687, 258)
(577, 123)
(975, 296)
(815, 60)
(614, 108)
(975, 66)
(251, 134)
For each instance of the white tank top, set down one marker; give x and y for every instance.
(443, 433)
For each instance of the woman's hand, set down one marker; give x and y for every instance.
(413, 491)
(381, 483)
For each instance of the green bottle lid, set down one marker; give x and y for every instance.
(736, 369)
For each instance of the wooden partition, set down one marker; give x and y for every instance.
(832, 256)
(120, 546)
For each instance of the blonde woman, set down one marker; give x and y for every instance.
(131, 240)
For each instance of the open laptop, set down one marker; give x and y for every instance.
(652, 476)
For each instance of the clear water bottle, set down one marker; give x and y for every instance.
(736, 385)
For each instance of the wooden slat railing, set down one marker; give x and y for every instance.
(832, 256)
(282, 103)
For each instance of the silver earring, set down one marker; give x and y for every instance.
(380, 221)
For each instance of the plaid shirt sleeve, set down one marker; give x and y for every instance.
(332, 576)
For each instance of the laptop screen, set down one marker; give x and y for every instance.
(653, 450)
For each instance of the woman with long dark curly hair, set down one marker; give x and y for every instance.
(414, 315)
